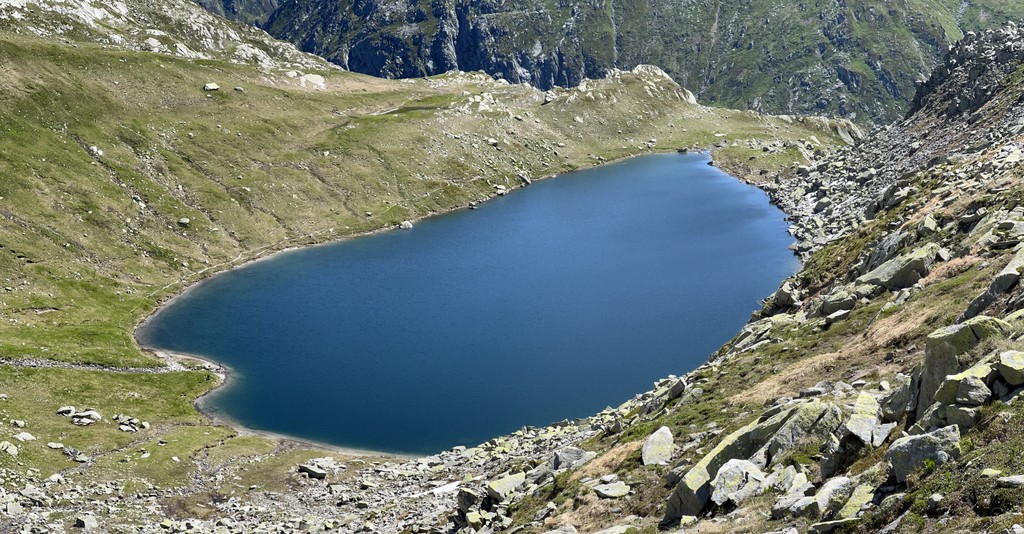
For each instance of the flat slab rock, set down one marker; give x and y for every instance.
(613, 490)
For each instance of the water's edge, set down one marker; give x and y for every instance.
(223, 372)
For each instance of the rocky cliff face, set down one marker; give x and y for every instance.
(858, 59)
(248, 11)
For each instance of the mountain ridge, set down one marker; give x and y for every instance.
(858, 59)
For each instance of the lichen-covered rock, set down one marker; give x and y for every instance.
(861, 495)
(881, 433)
(612, 490)
(909, 453)
(864, 419)
(694, 491)
(969, 385)
(973, 392)
(500, 489)
(833, 494)
(830, 526)
(944, 345)
(964, 417)
(839, 300)
(934, 416)
(657, 448)
(902, 397)
(815, 419)
(1011, 367)
(903, 271)
(805, 507)
(570, 457)
(737, 481)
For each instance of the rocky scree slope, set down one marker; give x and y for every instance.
(858, 59)
(127, 175)
(175, 27)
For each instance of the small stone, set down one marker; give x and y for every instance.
(990, 473)
(211, 87)
(406, 225)
(1016, 481)
(24, 436)
(86, 522)
(934, 500)
(9, 448)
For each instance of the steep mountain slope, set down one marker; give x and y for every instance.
(858, 58)
(247, 11)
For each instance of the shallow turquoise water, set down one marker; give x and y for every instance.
(550, 303)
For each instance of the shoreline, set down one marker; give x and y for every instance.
(223, 372)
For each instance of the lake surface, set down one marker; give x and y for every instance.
(550, 303)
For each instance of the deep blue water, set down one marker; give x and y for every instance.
(550, 303)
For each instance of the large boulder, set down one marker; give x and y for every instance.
(967, 387)
(1010, 275)
(658, 447)
(1011, 367)
(1004, 280)
(964, 417)
(861, 495)
(903, 271)
(786, 296)
(944, 345)
(833, 494)
(838, 300)
(902, 398)
(737, 481)
(910, 453)
(864, 419)
(816, 419)
(570, 457)
(500, 489)
(693, 492)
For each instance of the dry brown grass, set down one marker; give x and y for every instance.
(860, 356)
(952, 268)
(586, 511)
(608, 462)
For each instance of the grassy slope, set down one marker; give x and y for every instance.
(91, 243)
